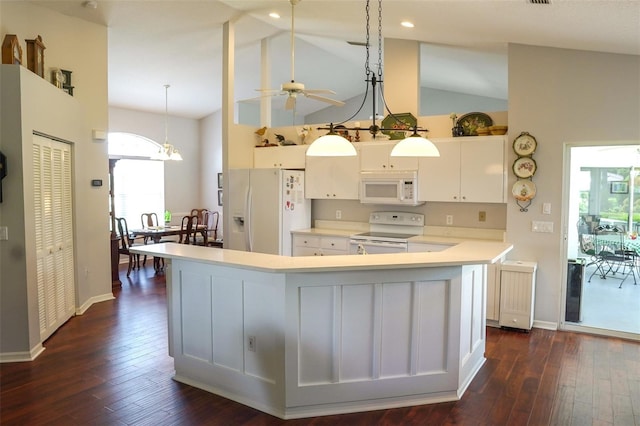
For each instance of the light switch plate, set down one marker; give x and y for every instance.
(4, 233)
(546, 208)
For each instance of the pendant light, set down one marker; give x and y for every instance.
(167, 151)
(335, 145)
(415, 146)
(331, 145)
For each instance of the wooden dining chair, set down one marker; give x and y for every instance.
(188, 229)
(212, 229)
(201, 214)
(126, 242)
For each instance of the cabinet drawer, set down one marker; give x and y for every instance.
(336, 243)
(306, 241)
(305, 251)
(515, 320)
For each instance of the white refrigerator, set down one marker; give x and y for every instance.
(265, 206)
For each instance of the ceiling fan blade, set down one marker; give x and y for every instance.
(267, 90)
(291, 103)
(323, 99)
(320, 91)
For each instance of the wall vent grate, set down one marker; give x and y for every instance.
(540, 1)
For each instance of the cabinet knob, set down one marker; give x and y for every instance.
(391, 166)
(332, 244)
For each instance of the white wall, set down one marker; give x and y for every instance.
(562, 96)
(182, 185)
(210, 159)
(81, 47)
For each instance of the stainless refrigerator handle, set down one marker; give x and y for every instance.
(247, 220)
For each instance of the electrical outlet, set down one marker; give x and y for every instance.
(252, 343)
(338, 214)
(449, 219)
(482, 216)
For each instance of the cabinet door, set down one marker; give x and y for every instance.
(345, 177)
(318, 181)
(482, 171)
(332, 178)
(280, 157)
(377, 156)
(439, 177)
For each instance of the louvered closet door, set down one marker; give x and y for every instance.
(54, 233)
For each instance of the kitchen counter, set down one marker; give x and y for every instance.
(308, 336)
(468, 252)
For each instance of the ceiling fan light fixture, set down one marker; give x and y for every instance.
(415, 146)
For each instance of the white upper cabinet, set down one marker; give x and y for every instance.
(335, 178)
(377, 156)
(469, 169)
(280, 157)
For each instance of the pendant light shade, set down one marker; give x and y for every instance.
(415, 146)
(331, 145)
(167, 151)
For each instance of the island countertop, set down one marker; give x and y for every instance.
(465, 253)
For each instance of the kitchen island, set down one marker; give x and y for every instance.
(308, 336)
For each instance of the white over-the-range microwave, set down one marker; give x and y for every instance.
(392, 187)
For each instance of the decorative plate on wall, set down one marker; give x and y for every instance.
(523, 190)
(403, 122)
(470, 122)
(524, 167)
(525, 144)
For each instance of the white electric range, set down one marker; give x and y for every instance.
(389, 232)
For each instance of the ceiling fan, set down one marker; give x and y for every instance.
(292, 88)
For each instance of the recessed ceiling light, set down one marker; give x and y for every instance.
(274, 15)
(407, 24)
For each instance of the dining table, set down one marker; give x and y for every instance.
(156, 233)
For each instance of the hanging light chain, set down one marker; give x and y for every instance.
(380, 39)
(166, 113)
(366, 62)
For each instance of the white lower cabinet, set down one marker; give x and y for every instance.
(313, 245)
(493, 294)
(332, 178)
(426, 247)
(517, 294)
(469, 169)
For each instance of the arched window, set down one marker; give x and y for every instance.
(138, 181)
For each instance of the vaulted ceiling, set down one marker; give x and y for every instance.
(464, 43)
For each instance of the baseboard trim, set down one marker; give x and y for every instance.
(95, 299)
(545, 325)
(22, 356)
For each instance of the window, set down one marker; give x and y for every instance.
(138, 181)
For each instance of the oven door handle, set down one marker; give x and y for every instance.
(378, 243)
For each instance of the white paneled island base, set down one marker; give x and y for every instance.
(316, 336)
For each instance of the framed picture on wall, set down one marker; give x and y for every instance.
(220, 197)
(219, 180)
(619, 188)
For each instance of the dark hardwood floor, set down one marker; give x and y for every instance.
(110, 367)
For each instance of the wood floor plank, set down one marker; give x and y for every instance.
(110, 366)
